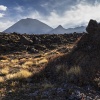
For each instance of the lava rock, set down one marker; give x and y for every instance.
(92, 27)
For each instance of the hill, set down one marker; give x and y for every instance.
(29, 26)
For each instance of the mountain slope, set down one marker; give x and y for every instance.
(58, 30)
(29, 26)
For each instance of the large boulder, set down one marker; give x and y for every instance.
(25, 40)
(93, 27)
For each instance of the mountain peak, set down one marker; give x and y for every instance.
(59, 26)
(29, 26)
(30, 19)
(58, 30)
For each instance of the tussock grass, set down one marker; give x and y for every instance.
(5, 70)
(25, 66)
(74, 71)
(47, 85)
(23, 59)
(15, 61)
(28, 63)
(3, 57)
(19, 75)
(4, 61)
(42, 61)
(2, 79)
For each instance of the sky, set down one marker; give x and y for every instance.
(68, 13)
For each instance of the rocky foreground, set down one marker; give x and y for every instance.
(34, 43)
(23, 56)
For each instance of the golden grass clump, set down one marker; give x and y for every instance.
(23, 60)
(2, 79)
(3, 57)
(28, 63)
(19, 75)
(5, 70)
(25, 66)
(30, 59)
(42, 61)
(5, 61)
(15, 61)
(74, 71)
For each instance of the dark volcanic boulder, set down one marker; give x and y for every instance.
(31, 49)
(93, 27)
(25, 40)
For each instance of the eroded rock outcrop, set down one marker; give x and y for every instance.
(82, 64)
(92, 26)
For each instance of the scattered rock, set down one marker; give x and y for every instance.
(18, 42)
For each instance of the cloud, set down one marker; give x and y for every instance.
(19, 8)
(59, 5)
(76, 15)
(3, 8)
(1, 15)
(4, 24)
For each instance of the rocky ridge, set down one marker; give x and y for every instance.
(34, 43)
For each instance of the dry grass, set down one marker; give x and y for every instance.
(74, 71)
(19, 66)
(4, 61)
(23, 74)
(47, 85)
(3, 57)
(23, 60)
(2, 79)
(42, 61)
(28, 63)
(15, 61)
(5, 70)
(25, 66)
(19, 75)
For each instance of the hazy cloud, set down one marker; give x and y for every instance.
(19, 9)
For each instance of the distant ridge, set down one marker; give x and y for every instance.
(29, 26)
(80, 29)
(61, 30)
(34, 26)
